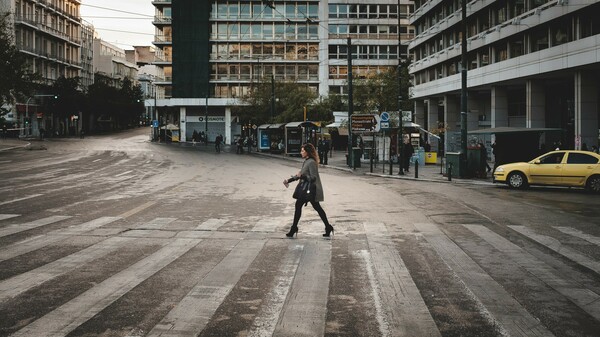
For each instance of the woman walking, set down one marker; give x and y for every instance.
(310, 173)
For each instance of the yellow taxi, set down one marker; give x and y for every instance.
(556, 168)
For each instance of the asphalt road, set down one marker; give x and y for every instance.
(116, 236)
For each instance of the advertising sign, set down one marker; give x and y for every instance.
(294, 140)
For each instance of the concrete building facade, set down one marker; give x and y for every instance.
(211, 52)
(531, 64)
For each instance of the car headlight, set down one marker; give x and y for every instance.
(499, 169)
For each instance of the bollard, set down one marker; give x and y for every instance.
(450, 172)
(416, 169)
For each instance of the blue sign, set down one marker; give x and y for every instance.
(385, 116)
(154, 123)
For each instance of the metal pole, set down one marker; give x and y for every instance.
(350, 104)
(400, 136)
(26, 115)
(463, 94)
(272, 97)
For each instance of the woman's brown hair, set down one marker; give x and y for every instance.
(312, 153)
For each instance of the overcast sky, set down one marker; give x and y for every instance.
(120, 21)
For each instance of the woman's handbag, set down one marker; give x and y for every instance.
(305, 191)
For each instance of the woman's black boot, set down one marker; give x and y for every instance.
(293, 230)
(328, 231)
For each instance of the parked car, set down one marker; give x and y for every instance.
(555, 168)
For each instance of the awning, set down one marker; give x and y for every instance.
(508, 129)
(407, 124)
(170, 127)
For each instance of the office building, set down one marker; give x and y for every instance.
(212, 52)
(531, 64)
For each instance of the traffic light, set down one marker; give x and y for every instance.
(55, 96)
(26, 121)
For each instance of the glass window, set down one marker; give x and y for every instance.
(245, 31)
(233, 11)
(313, 32)
(290, 11)
(256, 30)
(333, 11)
(302, 11)
(552, 158)
(342, 11)
(313, 11)
(279, 30)
(581, 158)
(268, 31)
(222, 11)
(290, 52)
(245, 11)
(257, 10)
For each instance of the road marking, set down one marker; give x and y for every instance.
(20, 199)
(40, 241)
(379, 312)
(123, 173)
(558, 247)
(269, 225)
(194, 311)
(137, 209)
(305, 309)
(8, 216)
(407, 312)
(573, 290)
(96, 160)
(18, 284)
(77, 311)
(211, 224)
(13, 229)
(158, 223)
(265, 322)
(577, 233)
(506, 312)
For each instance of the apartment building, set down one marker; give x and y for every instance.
(47, 32)
(211, 52)
(530, 64)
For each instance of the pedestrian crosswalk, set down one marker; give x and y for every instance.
(294, 279)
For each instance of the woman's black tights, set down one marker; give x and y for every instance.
(315, 205)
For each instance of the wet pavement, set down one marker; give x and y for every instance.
(336, 160)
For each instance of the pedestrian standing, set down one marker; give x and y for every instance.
(408, 152)
(310, 173)
(321, 149)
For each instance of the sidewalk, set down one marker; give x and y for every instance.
(430, 173)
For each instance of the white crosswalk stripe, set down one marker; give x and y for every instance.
(558, 247)
(577, 233)
(188, 318)
(296, 301)
(508, 313)
(583, 297)
(8, 216)
(70, 315)
(17, 228)
(40, 241)
(20, 283)
(407, 314)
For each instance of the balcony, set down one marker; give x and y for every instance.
(162, 39)
(161, 20)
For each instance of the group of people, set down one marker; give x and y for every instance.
(242, 142)
(198, 137)
(323, 147)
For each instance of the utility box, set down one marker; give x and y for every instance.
(474, 162)
(453, 163)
